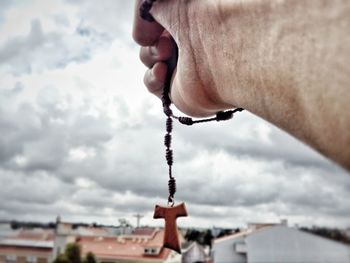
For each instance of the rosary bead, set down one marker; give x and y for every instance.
(167, 140)
(168, 112)
(169, 125)
(145, 10)
(185, 120)
(166, 100)
(172, 187)
(169, 157)
(224, 115)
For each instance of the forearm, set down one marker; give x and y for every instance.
(291, 68)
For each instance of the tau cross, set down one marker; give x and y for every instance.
(170, 214)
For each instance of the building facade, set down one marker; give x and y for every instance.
(278, 244)
(34, 246)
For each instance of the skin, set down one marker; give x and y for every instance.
(286, 61)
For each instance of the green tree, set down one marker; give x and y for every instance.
(193, 235)
(61, 259)
(73, 253)
(208, 238)
(90, 258)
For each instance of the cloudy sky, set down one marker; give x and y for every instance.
(82, 138)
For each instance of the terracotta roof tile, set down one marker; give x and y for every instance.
(119, 248)
(42, 235)
(143, 231)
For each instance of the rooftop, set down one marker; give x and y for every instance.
(26, 243)
(125, 248)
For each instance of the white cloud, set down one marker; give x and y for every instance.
(79, 154)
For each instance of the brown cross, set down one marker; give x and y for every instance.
(170, 214)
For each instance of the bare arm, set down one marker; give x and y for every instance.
(285, 61)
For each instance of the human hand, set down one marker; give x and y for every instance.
(195, 90)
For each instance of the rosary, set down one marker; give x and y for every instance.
(172, 212)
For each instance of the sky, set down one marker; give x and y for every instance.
(82, 138)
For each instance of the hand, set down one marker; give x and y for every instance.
(285, 61)
(194, 89)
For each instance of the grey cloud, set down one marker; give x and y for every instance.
(40, 50)
(293, 186)
(4, 5)
(231, 136)
(111, 18)
(44, 143)
(36, 188)
(61, 20)
(99, 198)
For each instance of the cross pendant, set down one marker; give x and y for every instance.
(170, 214)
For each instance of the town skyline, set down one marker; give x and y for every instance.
(57, 241)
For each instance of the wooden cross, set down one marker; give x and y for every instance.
(170, 214)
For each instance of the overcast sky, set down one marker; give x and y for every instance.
(82, 138)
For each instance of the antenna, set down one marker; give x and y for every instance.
(138, 218)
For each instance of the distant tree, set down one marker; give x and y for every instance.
(208, 238)
(90, 258)
(224, 232)
(202, 237)
(51, 225)
(61, 259)
(73, 253)
(331, 233)
(124, 223)
(193, 235)
(15, 225)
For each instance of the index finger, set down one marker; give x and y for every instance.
(145, 33)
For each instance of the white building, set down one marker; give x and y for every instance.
(6, 230)
(194, 252)
(280, 244)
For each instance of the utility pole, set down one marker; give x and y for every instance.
(138, 218)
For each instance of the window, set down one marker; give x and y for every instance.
(11, 259)
(31, 259)
(151, 251)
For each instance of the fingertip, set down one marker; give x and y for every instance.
(159, 71)
(155, 77)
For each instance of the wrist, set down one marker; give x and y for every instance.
(236, 50)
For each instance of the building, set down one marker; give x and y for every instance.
(278, 243)
(27, 246)
(195, 252)
(141, 246)
(68, 233)
(6, 230)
